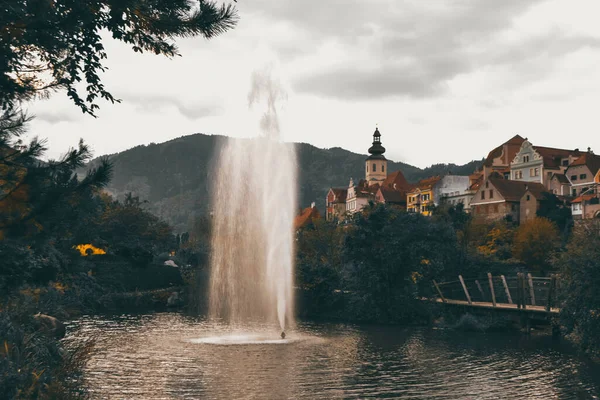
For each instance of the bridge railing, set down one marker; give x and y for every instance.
(522, 290)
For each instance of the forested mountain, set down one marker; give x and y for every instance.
(174, 177)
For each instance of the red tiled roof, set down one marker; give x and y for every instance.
(396, 180)
(426, 183)
(340, 195)
(513, 145)
(592, 161)
(393, 196)
(553, 157)
(514, 190)
(582, 198)
(308, 215)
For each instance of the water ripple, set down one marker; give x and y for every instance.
(169, 356)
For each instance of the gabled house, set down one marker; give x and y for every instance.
(499, 159)
(539, 164)
(498, 198)
(560, 185)
(359, 195)
(582, 172)
(335, 203)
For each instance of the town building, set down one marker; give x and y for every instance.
(540, 164)
(421, 199)
(587, 205)
(498, 198)
(433, 191)
(581, 173)
(359, 195)
(336, 203)
(376, 163)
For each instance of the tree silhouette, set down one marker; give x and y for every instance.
(48, 45)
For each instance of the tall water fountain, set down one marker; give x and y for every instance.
(254, 203)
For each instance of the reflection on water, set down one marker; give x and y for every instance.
(170, 356)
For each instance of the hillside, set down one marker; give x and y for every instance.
(174, 176)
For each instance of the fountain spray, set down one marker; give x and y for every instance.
(254, 204)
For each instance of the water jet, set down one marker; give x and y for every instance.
(254, 203)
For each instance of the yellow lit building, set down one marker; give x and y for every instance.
(421, 198)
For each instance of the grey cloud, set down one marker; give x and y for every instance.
(416, 54)
(154, 103)
(418, 81)
(54, 117)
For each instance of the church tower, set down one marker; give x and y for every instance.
(376, 164)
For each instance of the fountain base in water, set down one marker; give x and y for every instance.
(244, 339)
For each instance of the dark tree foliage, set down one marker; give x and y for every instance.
(579, 269)
(132, 232)
(556, 211)
(318, 266)
(391, 257)
(31, 191)
(47, 45)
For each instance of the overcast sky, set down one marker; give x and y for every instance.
(446, 81)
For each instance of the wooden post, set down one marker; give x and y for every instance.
(531, 291)
(462, 282)
(550, 292)
(480, 290)
(439, 291)
(506, 289)
(519, 291)
(492, 289)
(523, 293)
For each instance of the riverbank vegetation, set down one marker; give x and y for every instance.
(375, 266)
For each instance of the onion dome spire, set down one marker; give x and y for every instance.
(377, 149)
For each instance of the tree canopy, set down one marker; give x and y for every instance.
(48, 45)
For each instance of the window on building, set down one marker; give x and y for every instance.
(495, 208)
(525, 158)
(487, 184)
(565, 163)
(482, 195)
(573, 177)
(491, 193)
(374, 167)
(528, 197)
(536, 172)
(574, 192)
(382, 168)
(582, 176)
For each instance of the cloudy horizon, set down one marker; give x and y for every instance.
(444, 83)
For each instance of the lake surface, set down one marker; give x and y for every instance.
(172, 356)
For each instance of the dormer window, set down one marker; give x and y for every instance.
(565, 163)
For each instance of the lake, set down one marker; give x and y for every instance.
(173, 356)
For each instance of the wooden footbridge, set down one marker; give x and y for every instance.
(535, 296)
